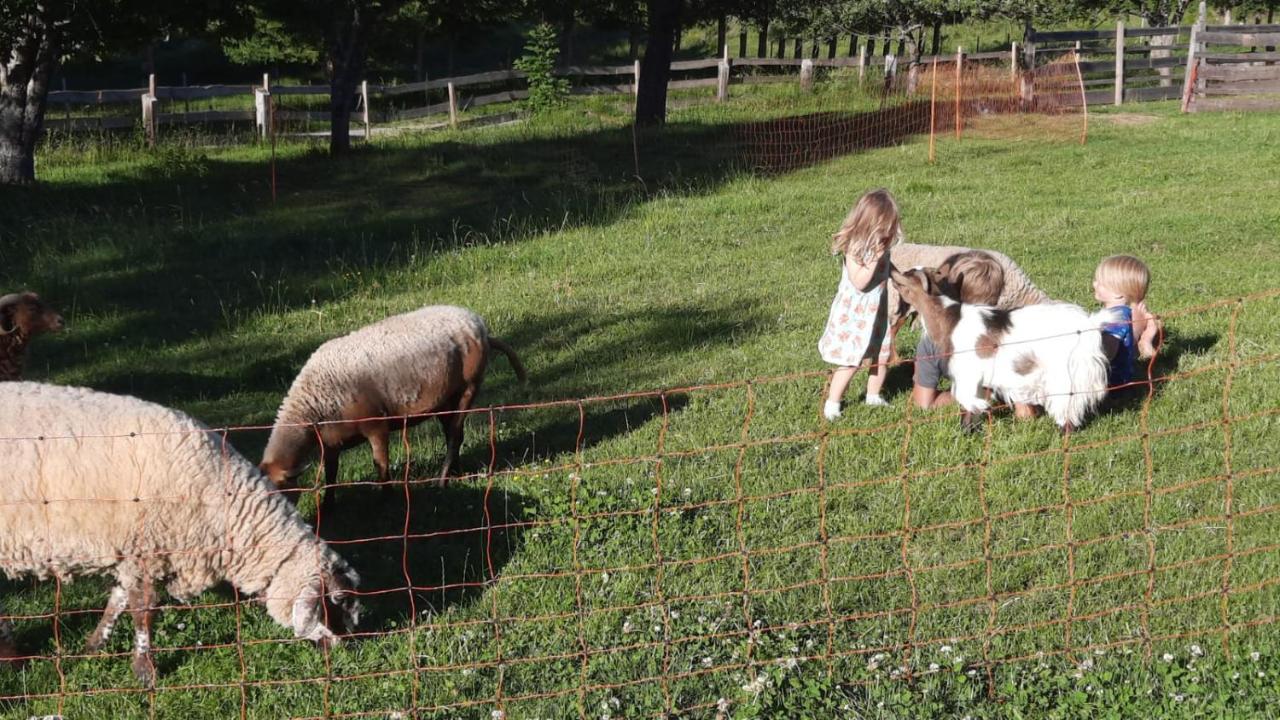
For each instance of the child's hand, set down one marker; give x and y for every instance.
(1146, 326)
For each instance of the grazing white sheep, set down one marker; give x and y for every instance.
(1018, 288)
(377, 379)
(108, 484)
(1048, 354)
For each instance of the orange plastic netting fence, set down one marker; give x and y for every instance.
(722, 536)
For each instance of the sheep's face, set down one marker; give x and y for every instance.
(29, 314)
(328, 607)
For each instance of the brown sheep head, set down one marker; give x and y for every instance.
(28, 315)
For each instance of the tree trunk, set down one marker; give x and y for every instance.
(871, 46)
(742, 43)
(633, 42)
(937, 38)
(762, 42)
(346, 62)
(655, 68)
(799, 52)
(24, 90)
(420, 56)
(722, 31)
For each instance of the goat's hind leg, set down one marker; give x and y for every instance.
(975, 407)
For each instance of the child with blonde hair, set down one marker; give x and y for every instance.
(857, 326)
(1121, 283)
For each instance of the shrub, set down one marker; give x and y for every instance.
(541, 51)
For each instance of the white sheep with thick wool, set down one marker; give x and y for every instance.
(101, 484)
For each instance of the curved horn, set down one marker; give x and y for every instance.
(5, 302)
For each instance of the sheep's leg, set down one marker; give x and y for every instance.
(110, 614)
(967, 396)
(8, 644)
(453, 424)
(141, 599)
(379, 441)
(330, 479)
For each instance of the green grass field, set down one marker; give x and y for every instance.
(675, 547)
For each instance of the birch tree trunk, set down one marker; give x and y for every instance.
(25, 68)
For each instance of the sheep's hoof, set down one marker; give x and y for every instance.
(94, 644)
(971, 422)
(145, 670)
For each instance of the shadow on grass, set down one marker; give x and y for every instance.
(188, 247)
(1167, 362)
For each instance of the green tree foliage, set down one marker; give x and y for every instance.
(538, 63)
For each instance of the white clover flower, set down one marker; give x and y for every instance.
(1166, 657)
(706, 662)
(722, 705)
(933, 667)
(1100, 651)
(1261, 674)
(1087, 664)
(945, 649)
(604, 577)
(687, 492)
(795, 648)
(627, 627)
(790, 664)
(1196, 651)
(657, 628)
(498, 715)
(614, 702)
(1178, 697)
(755, 686)
(972, 673)
(1235, 676)
(1255, 655)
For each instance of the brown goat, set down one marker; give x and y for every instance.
(22, 317)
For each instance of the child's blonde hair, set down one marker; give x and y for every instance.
(976, 275)
(1125, 274)
(871, 227)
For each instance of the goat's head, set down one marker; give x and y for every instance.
(916, 286)
(26, 313)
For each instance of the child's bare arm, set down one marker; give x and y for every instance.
(1146, 327)
(862, 275)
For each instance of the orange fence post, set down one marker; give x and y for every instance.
(933, 108)
(959, 86)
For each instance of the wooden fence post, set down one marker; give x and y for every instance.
(149, 111)
(806, 74)
(933, 107)
(1013, 59)
(862, 62)
(1119, 62)
(453, 106)
(364, 103)
(262, 106)
(635, 78)
(1188, 80)
(722, 77)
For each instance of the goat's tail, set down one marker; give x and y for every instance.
(512, 358)
(1072, 394)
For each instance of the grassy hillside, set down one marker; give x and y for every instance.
(657, 552)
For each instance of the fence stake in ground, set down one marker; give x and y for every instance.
(149, 111)
(933, 107)
(862, 62)
(1119, 62)
(1188, 82)
(364, 104)
(453, 106)
(261, 109)
(1084, 100)
(806, 74)
(722, 77)
(1013, 60)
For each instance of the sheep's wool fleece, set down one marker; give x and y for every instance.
(1018, 288)
(393, 359)
(94, 483)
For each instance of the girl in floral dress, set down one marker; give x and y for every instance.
(859, 318)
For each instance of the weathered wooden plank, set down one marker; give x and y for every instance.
(1214, 104)
(476, 79)
(1240, 57)
(405, 88)
(1244, 88)
(1240, 38)
(96, 123)
(299, 89)
(1240, 72)
(418, 112)
(1097, 66)
(209, 116)
(1238, 28)
(685, 84)
(831, 62)
(771, 62)
(694, 64)
(1069, 35)
(498, 97)
(1155, 63)
(580, 70)
(1157, 31)
(198, 92)
(1172, 92)
(73, 97)
(601, 90)
(302, 115)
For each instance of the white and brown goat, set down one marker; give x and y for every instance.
(1049, 354)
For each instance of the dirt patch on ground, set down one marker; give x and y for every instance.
(1028, 126)
(1130, 118)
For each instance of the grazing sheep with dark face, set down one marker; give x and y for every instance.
(364, 385)
(22, 317)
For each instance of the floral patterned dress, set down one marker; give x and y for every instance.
(858, 322)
